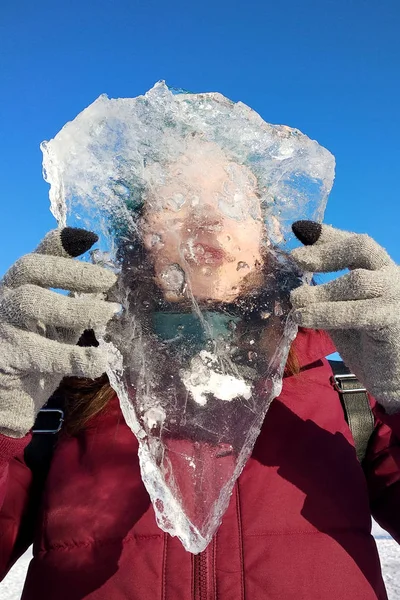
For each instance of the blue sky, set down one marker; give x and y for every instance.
(329, 68)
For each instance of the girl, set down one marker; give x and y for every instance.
(298, 525)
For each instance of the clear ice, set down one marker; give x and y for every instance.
(193, 197)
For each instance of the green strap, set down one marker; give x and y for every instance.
(356, 406)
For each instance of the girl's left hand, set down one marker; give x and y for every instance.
(361, 309)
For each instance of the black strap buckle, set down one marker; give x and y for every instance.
(49, 420)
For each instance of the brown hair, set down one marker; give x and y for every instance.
(84, 398)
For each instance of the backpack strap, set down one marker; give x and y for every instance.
(356, 406)
(39, 451)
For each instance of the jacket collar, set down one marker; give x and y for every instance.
(311, 345)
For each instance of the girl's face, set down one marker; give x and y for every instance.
(203, 228)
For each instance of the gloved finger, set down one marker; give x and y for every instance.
(360, 284)
(30, 304)
(48, 357)
(328, 249)
(351, 314)
(68, 242)
(17, 423)
(59, 272)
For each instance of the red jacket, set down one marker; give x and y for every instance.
(297, 527)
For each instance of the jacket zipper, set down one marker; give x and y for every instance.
(200, 576)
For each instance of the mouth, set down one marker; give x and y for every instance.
(204, 254)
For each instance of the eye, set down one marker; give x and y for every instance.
(230, 207)
(175, 202)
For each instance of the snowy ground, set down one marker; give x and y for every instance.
(389, 552)
(11, 587)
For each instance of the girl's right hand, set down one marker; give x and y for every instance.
(39, 328)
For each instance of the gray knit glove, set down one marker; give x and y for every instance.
(39, 328)
(359, 309)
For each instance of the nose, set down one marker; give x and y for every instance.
(207, 219)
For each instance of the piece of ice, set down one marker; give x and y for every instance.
(193, 197)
